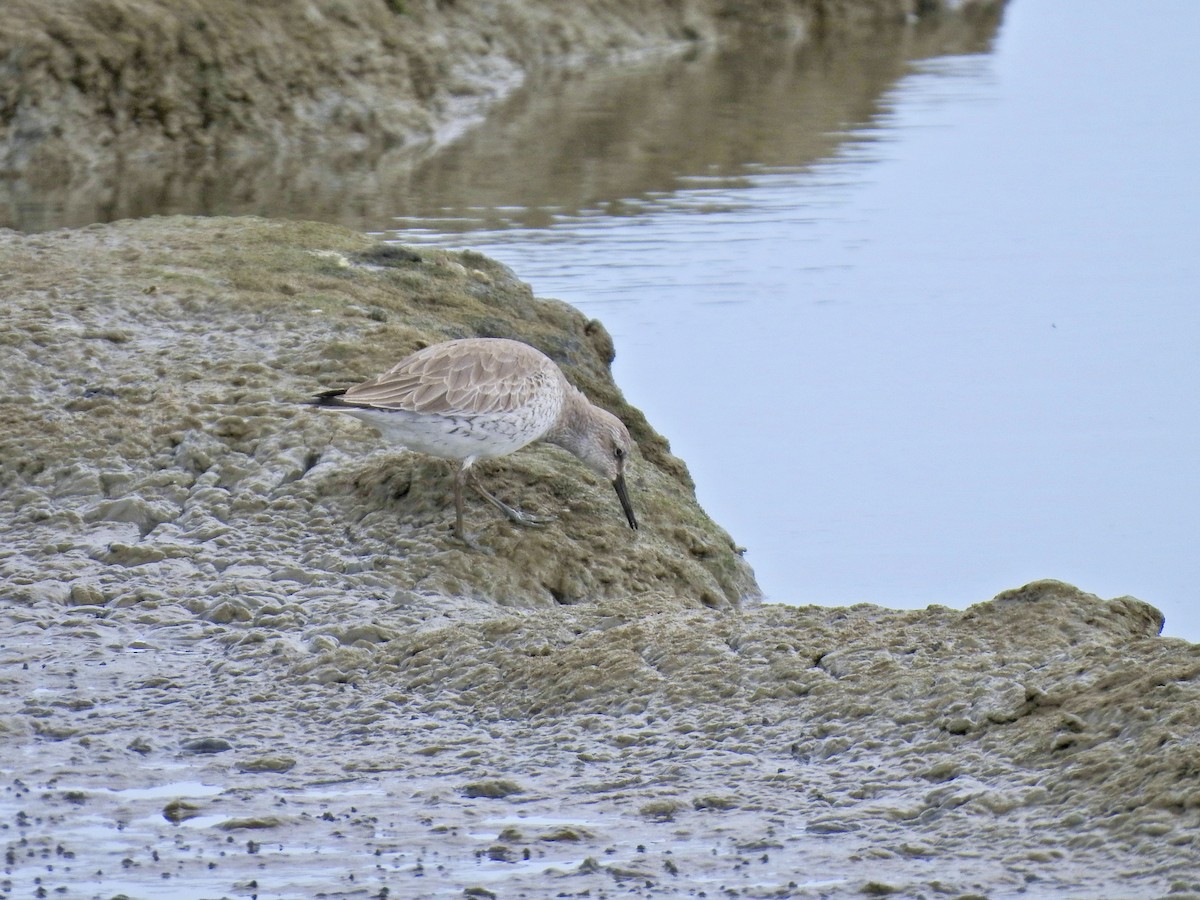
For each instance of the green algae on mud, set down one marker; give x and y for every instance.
(239, 643)
(154, 391)
(611, 746)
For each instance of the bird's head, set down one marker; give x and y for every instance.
(606, 451)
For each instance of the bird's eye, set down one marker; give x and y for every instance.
(619, 453)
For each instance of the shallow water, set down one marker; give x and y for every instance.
(915, 347)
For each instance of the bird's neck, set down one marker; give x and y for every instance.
(570, 431)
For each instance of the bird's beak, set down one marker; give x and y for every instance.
(623, 496)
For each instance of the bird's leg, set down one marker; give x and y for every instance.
(516, 515)
(460, 478)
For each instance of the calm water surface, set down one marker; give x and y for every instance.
(923, 327)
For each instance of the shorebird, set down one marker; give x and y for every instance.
(480, 398)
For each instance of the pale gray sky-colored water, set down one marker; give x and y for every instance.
(959, 352)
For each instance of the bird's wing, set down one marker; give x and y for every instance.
(466, 377)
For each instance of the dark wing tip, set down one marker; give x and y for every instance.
(328, 398)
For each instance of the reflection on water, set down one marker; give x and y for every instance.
(575, 140)
(923, 330)
(611, 142)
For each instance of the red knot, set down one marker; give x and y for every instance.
(480, 398)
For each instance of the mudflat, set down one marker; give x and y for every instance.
(244, 654)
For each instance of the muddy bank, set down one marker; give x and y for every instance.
(133, 103)
(152, 409)
(243, 655)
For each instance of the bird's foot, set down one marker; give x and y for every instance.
(529, 520)
(518, 516)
